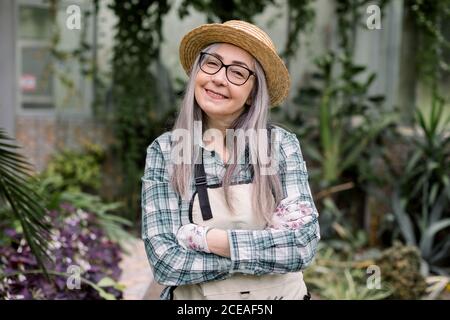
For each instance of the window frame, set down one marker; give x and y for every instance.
(34, 43)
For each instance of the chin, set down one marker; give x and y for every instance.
(214, 109)
(215, 113)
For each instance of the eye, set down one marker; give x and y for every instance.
(238, 73)
(212, 63)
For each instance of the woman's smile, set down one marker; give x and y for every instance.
(215, 95)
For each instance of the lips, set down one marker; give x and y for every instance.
(215, 95)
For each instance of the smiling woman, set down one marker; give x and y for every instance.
(222, 101)
(218, 214)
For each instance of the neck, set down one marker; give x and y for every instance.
(219, 124)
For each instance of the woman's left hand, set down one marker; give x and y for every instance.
(193, 236)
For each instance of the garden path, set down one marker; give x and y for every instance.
(136, 273)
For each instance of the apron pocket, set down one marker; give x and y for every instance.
(288, 286)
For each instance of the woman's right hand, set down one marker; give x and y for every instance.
(291, 214)
(193, 237)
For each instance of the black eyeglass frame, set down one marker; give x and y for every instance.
(202, 54)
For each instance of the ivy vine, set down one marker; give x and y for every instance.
(135, 89)
(430, 18)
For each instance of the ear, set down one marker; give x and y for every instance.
(249, 100)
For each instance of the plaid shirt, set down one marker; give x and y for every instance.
(255, 252)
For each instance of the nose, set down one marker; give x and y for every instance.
(220, 77)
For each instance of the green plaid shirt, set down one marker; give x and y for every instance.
(252, 251)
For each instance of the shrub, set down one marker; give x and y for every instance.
(400, 267)
(75, 170)
(77, 241)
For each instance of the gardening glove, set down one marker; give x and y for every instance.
(193, 236)
(291, 214)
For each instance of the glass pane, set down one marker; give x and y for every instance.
(34, 23)
(36, 78)
(37, 106)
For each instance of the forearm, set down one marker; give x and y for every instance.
(273, 251)
(173, 265)
(218, 242)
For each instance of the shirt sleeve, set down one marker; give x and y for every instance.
(172, 265)
(280, 251)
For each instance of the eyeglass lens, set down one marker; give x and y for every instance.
(236, 74)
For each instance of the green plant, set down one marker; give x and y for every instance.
(421, 198)
(400, 267)
(24, 203)
(80, 251)
(348, 122)
(75, 170)
(113, 225)
(338, 276)
(143, 102)
(300, 15)
(430, 19)
(224, 10)
(423, 231)
(342, 125)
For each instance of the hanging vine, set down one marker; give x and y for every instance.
(301, 15)
(135, 95)
(430, 18)
(221, 11)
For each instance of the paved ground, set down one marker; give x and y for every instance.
(136, 275)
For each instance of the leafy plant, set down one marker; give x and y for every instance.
(112, 225)
(348, 122)
(224, 10)
(400, 266)
(71, 170)
(428, 227)
(343, 125)
(430, 19)
(421, 198)
(24, 203)
(80, 250)
(341, 277)
(144, 100)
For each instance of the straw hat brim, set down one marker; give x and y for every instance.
(277, 75)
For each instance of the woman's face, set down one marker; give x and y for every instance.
(220, 99)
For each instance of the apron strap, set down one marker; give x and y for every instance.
(200, 184)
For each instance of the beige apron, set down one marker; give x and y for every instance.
(289, 286)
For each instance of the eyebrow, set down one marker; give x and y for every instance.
(233, 62)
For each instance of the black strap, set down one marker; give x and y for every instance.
(200, 184)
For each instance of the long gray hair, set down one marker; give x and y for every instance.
(267, 190)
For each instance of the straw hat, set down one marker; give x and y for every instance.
(248, 37)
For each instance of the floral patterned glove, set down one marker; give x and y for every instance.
(291, 213)
(192, 236)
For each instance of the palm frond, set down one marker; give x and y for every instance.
(26, 204)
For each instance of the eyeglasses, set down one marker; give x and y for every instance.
(236, 74)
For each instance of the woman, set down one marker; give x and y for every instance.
(227, 209)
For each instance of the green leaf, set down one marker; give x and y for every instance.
(427, 239)
(106, 282)
(16, 188)
(404, 221)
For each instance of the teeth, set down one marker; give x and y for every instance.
(216, 94)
